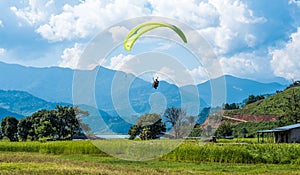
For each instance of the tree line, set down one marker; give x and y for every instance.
(62, 124)
(174, 120)
(251, 99)
(58, 124)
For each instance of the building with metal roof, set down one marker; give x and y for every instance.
(284, 134)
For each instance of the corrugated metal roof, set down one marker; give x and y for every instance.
(289, 127)
(283, 128)
(266, 131)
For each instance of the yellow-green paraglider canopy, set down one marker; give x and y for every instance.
(137, 31)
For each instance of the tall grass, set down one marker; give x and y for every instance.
(189, 151)
(57, 147)
(236, 153)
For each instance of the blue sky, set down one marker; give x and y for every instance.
(252, 39)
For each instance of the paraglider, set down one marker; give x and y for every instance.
(155, 83)
(139, 30)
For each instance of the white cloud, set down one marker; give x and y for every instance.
(197, 14)
(1, 24)
(167, 74)
(119, 62)
(286, 61)
(179, 77)
(240, 65)
(295, 1)
(232, 33)
(71, 56)
(37, 11)
(118, 33)
(199, 74)
(234, 28)
(89, 18)
(2, 51)
(226, 24)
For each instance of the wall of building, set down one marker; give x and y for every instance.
(295, 135)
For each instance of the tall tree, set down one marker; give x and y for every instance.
(36, 120)
(134, 131)
(68, 123)
(24, 127)
(148, 126)
(196, 132)
(9, 127)
(177, 117)
(46, 130)
(225, 129)
(291, 109)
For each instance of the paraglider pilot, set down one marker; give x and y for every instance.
(155, 83)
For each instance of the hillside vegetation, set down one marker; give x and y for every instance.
(277, 110)
(20, 103)
(276, 104)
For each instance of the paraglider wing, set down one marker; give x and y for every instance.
(139, 30)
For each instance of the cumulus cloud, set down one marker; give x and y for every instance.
(71, 56)
(295, 1)
(36, 11)
(119, 62)
(226, 24)
(286, 61)
(179, 77)
(232, 33)
(234, 28)
(89, 17)
(71, 59)
(118, 33)
(1, 24)
(239, 65)
(166, 73)
(197, 14)
(199, 74)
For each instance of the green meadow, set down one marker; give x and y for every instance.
(191, 157)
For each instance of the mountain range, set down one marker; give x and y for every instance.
(27, 89)
(55, 84)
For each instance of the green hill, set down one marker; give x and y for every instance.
(275, 104)
(20, 103)
(4, 113)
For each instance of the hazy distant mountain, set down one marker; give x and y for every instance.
(238, 89)
(54, 84)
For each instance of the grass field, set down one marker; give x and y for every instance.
(82, 157)
(38, 163)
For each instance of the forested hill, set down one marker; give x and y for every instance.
(278, 104)
(20, 104)
(4, 113)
